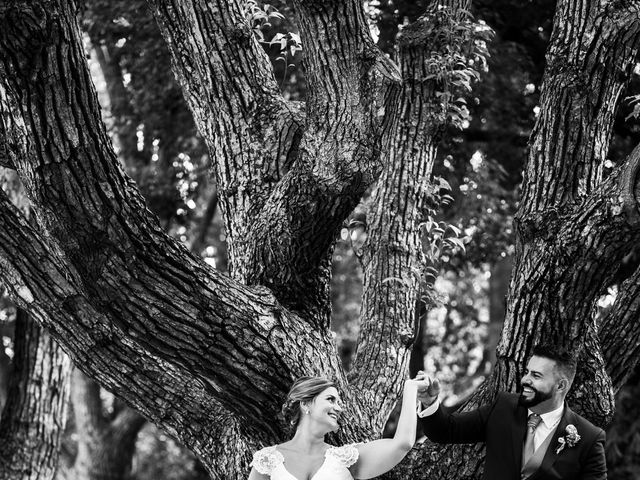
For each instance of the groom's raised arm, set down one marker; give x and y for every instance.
(440, 426)
(464, 427)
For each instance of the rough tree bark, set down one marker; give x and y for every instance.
(173, 337)
(574, 227)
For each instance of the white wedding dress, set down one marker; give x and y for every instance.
(337, 461)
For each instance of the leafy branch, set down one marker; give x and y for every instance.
(440, 239)
(634, 101)
(458, 56)
(290, 44)
(261, 18)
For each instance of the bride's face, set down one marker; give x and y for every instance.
(326, 409)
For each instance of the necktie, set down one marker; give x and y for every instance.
(532, 423)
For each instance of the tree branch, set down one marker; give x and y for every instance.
(12, 129)
(177, 338)
(228, 83)
(349, 85)
(393, 249)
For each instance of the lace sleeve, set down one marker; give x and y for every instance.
(265, 460)
(347, 455)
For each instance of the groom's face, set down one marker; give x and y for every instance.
(539, 382)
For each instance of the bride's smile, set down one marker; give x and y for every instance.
(326, 409)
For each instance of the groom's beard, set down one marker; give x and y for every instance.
(538, 397)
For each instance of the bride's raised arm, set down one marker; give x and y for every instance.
(380, 456)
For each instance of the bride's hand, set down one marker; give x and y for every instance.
(421, 380)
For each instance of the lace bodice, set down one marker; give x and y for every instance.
(337, 460)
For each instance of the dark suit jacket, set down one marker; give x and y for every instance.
(502, 426)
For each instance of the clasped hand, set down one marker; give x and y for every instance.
(428, 388)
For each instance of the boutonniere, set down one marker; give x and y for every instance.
(569, 440)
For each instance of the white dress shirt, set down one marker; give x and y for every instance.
(430, 410)
(550, 421)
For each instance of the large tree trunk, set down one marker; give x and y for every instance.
(172, 337)
(574, 228)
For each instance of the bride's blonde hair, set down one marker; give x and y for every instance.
(304, 389)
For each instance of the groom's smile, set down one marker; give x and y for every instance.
(538, 383)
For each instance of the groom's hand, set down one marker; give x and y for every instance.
(428, 389)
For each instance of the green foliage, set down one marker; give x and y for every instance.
(441, 239)
(458, 55)
(289, 44)
(634, 102)
(261, 17)
(272, 29)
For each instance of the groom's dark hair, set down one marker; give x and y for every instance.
(565, 359)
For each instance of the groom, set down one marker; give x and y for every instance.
(534, 435)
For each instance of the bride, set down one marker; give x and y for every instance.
(313, 408)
